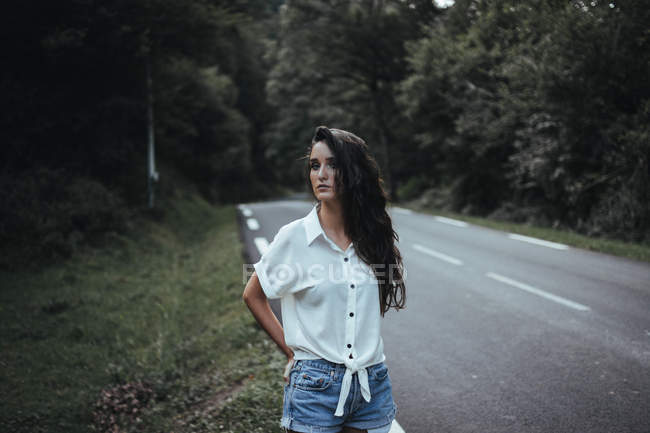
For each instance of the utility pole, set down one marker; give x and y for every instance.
(152, 174)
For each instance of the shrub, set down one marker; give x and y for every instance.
(47, 213)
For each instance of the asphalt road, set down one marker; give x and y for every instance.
(501, 334)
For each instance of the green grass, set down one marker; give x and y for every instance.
(609, 246)
(162, 306)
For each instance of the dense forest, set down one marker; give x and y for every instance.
(531, 111)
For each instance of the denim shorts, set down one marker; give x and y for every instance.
(312, 394)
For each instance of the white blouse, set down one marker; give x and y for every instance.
(329, 299)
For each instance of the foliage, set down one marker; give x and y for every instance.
(340, 70)
(414, 187)
(537, 108)
(47, 214)
(75, 103)
(537, 104)
(156, 314)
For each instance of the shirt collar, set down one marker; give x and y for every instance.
(312, 226)
(313, 229)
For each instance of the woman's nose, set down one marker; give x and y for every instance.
(322, 172)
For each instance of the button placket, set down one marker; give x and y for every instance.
(350, 327)
(352, 305)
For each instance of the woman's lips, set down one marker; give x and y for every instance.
(322, 186)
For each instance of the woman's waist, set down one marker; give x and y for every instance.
(335, 368)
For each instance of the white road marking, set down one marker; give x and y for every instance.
(437, 255)
(396, 428)
(538, 241)
(245, 210)
(451, 221)
(401, 210)
(252, 224)
(538, 292)
(262, 245)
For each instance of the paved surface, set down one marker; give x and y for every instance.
(502, 334)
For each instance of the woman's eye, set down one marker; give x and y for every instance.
(315, 165)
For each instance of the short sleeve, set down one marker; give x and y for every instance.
(279, 269)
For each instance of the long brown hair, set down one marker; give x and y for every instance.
(360, 189)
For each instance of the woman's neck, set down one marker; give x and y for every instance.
(331, 218)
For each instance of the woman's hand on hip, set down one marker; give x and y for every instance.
(287, 369)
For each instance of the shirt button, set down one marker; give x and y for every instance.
(349, 346)
(352, 286)
(351, 314)
(350, 356)
(345, 259)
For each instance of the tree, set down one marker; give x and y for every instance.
(336, 63)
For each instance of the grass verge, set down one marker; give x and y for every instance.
(148, 335)
(603, 245)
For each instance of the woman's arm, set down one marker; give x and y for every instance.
(257, 302)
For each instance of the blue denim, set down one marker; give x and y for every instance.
(312, 394)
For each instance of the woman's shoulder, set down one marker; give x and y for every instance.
(293, 231)
(293, 226)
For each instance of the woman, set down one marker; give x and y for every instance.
(336, 271)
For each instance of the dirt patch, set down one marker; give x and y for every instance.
(205, 411)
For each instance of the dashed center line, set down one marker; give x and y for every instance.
(538, 292)
(252, 224)
(437, 254)
(450, 221)
(262, 245)
(538, 241)
(244, 210)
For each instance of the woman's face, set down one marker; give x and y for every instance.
(322, 171)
